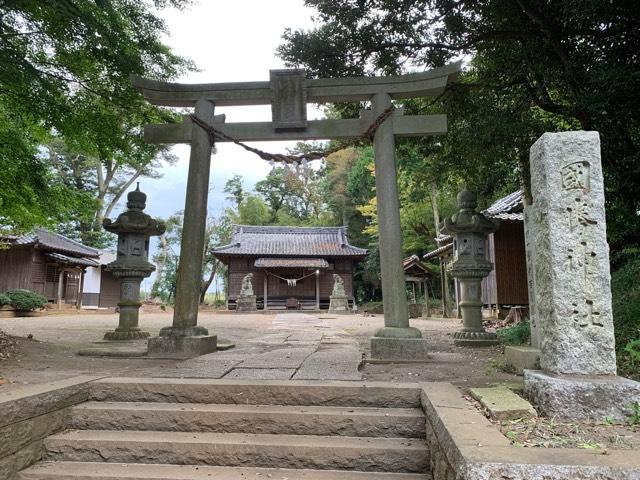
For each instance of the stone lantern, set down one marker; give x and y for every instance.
(133, 227)
(469, 229)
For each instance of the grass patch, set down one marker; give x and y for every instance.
(519, 334)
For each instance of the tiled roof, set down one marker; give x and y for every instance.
(438, 251)
(84, 262)
(291, 262)
(50, 241)
(290, 242)
(414, 261)
(507, 208)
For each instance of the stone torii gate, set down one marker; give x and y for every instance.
(288, 92)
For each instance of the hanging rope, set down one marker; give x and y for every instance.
(292, 282)
(368, 134)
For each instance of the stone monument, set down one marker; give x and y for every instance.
(133, 227)
(338, 301)
(469, 229)
(246, 302)
(572, 283)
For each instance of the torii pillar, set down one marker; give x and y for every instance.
(288, 92)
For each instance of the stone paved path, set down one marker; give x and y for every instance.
(286, 345)
(295, 345)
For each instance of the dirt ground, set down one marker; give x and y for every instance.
(51, 352)
(550, 433)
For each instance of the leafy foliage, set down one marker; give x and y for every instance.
(218, 232)
(4, 299)
(25, 299)
(626, 314)
(534, 66)
(64, 84)
(519, 334)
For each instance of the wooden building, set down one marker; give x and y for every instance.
(506, 285)
(101, 289)
(289, 262)
(46, 263)
(417, 274)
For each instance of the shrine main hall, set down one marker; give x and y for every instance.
(289, 264)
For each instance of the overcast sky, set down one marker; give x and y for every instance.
(229, 41)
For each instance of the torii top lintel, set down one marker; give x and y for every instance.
(323, 90)
(288, 92)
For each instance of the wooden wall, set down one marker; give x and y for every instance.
(109, 290)
(15, 268)
(511, 265)
(239, 267)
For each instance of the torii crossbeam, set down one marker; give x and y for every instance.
(288, 92)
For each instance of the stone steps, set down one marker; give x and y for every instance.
(257, 392)
(178, 429)
(266, 419)
(117, 471)
(240, 449)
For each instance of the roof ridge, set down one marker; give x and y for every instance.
(290, 227)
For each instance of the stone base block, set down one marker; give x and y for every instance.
(182, 347)
(522, 358)
(338, 304)
(399, 349)
(246, 304)
(581, 397)
(475, 339)
(123, 335)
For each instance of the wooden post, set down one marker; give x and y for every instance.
(265, 294)
(426, 297)
(60, 288)
(317, 289)
(80, 288)
(189, 277)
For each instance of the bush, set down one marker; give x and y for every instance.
(519, 334)
(26, 299)
(4, 300)
(626, 315)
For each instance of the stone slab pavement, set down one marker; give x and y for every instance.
(291, 347)
(268, 345)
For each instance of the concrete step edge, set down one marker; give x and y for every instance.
(271, 392)
(153, 436)
(234, 449)
(265, 419)
(251, 408)
(113, 471)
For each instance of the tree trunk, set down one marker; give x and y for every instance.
(161, 261)
(444, 286)
(207, 283)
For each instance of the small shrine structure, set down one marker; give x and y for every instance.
(289, 262)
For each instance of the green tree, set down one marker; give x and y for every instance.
(65, 74)
(104, 180)
(536, 66)
(235, 190)
(253, 211)
(274, 189)
(218, 232)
